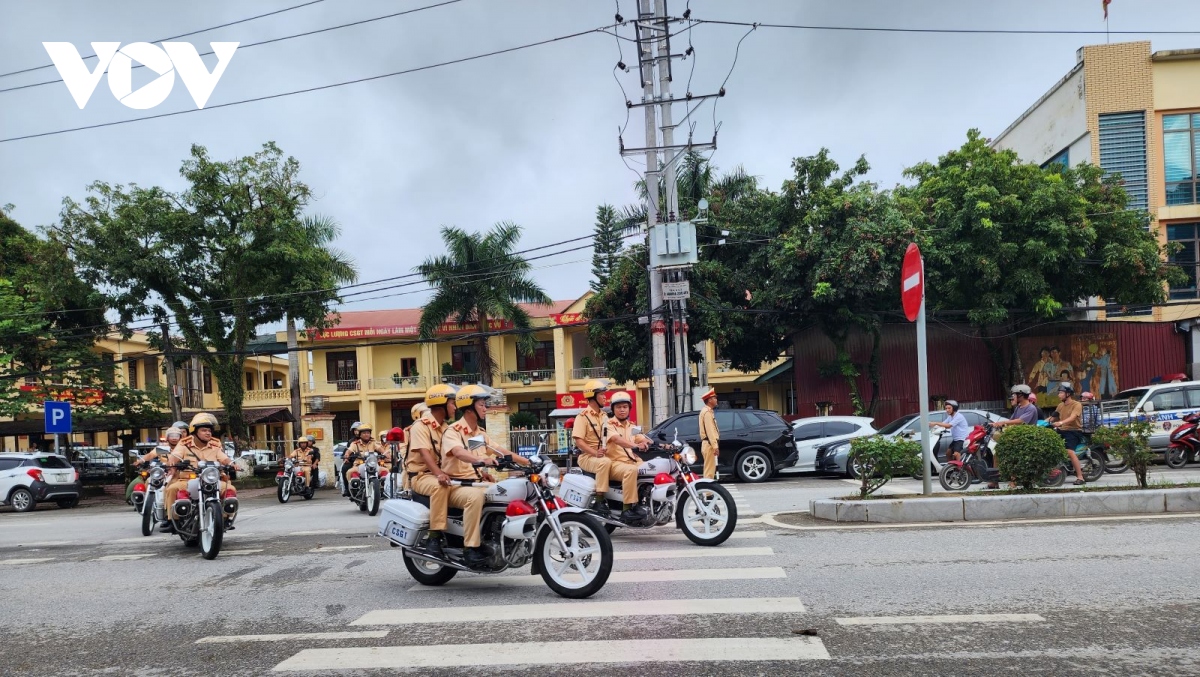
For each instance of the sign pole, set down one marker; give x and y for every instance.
(923, 393)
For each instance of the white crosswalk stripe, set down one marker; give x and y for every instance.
(653, 576)
(514, 612)
(693, 552)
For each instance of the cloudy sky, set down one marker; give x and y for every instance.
(530, 136)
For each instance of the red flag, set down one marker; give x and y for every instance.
(1106, 8)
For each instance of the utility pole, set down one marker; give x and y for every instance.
(169, 369)
(294, 376)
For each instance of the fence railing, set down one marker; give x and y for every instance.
(589, 372)
(328, 387)
(461, 379)
(525, 442)
(532, 376)
(271, 395)
(397, 383)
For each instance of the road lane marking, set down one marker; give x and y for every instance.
(123, 558)
(702, 650)
(949, 618)
(691, 552)
(652, 576)
(752, 520)
(845, 526)
(46, 544)
(316, 532)
(357, 634)
(336, 548)
(28, 560)
(234, 553)
(514, 612)
(663, 536)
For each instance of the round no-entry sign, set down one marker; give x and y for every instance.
(912, 282)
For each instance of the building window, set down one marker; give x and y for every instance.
(1181, 151)
(249, 381)
(540, 409)
(542, 357)
(408, 366)
(1187, 259)
(1123, 151)
(207, 381)
(1063, 158)
(133, 374)
(108, 370)
(465, 359)
(342, 369)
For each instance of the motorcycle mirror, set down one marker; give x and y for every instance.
(637, 430)
(535, 460)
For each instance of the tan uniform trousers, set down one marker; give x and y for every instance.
(172, 492)
(601, 467)
(470, 499)
(710, 460)
(627, 475)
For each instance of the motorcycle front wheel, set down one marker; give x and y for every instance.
(372, 502)
(148, 516)
(700, 528)
(1176, 457)
(583, 574)
(428, 573)
(1055, 478)
(284, 491)
(212, 535)
(1093, 465)
(1114, 462)
(954, 478)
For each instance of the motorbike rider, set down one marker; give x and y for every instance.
(588, 435)
(471, 402)
(348, 458)
(363, 446)
(424, 468)
(201, 445)
(620, 446)
(710, 435)
(1067, 419)
(302, 455)
(162, 452)
(418, 411)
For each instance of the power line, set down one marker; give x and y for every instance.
(318, 88)
(273, 40)
(964, 31)
(176, 37)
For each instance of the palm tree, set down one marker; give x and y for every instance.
(695, 179)
(477, 279)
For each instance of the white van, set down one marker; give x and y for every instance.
(1163, 404)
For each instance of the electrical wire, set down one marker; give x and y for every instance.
(963, 31)
(318, 88)
(181, 35)
(274, 40)
(736, 52)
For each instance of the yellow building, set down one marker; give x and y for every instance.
(1137, 113)
(136, 365)
(371, 368)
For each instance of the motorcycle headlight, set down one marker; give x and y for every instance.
(372, 463)
(157, 474)
(552, 475)
(210, 475)
(689, 455)
(287, 465)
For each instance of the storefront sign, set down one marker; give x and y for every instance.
(59, 393)
(560, 319)
(578, 401)
(342, 333)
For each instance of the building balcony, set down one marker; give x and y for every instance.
(589, 373)
(332, 387)
(461, 379)
(397, 383)
(272, 395)
(529, 377)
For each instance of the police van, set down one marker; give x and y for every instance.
(1163, 404)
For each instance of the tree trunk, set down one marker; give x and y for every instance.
(873, 367)
(849, 371)
(485, 353)
(228, 372)
(294, 376)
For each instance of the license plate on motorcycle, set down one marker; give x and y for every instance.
(574, 497)
(399, 533)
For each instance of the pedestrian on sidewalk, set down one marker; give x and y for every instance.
(956, 423)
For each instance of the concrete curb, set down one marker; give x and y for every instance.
(986, 508)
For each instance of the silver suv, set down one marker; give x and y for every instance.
(29, 478)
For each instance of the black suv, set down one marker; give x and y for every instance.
(754, 443)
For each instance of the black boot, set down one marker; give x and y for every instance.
(433, 546)
(600, 506)
(228, 524)
(474, 558)
(634, 513)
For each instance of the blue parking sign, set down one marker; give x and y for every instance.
(58, 417)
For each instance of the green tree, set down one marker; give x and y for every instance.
(607, 242)
(227, 254)
(477, 279)
(1013, 244)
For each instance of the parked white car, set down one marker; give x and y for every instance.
(818, 431)
(29, 478)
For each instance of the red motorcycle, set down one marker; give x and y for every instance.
(974, 461)
(1185, 442)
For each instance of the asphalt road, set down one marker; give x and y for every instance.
(83, 593)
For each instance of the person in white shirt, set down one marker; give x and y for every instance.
(957, 424)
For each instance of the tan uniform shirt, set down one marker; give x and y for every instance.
(708, 428)
(457, 436)
(426, 434)
(589, 426)
(614, 429)
(1066, 410)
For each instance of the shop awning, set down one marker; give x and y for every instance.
(262, 415)
(783, 368)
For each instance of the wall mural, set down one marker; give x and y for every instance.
(1087, 361)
